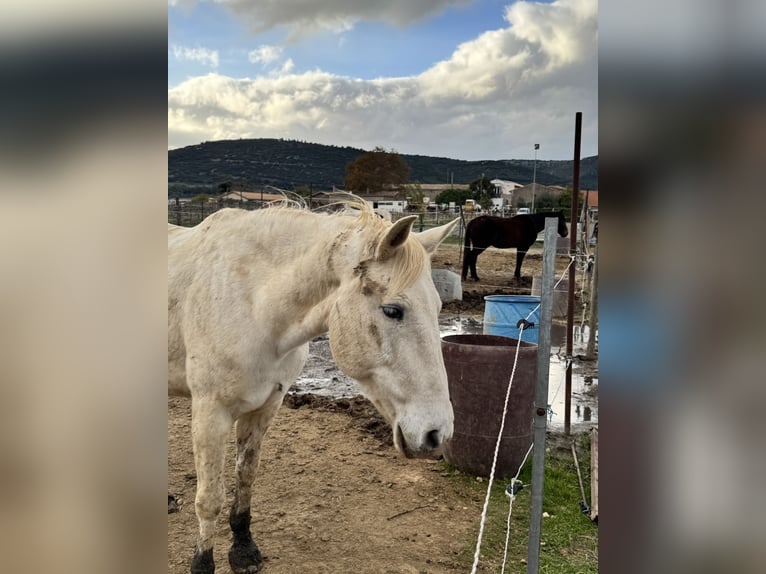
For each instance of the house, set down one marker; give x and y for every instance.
(390, 200)
(589, 213)
(502, 199)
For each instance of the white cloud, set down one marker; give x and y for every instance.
(201, 55)
(304, 17)
(492, 98)
(287, 67)
(265, 54)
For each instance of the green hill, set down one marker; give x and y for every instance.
(288, 164)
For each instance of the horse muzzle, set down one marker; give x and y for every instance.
(429, 445)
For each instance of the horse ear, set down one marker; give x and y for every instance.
(394, 237)
(432, 238)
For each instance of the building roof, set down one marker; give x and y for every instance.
(592, 196)
(253, 196)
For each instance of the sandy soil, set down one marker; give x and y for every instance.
(332, 494)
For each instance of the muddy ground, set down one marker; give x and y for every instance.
(332, 495)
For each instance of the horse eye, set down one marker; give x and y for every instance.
(393, 312)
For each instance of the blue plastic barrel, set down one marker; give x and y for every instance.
(502, 314)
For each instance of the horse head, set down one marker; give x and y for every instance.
(384, 332)
(562, 226)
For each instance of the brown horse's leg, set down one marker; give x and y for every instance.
(466, 262)
(244, 556)
(210, 426)
(474, 256)
(520, 253)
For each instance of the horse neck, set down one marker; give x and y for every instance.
(311, 254)
(305, 246)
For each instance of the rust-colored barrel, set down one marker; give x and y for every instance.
(478, 370)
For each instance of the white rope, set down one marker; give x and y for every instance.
(500, 433)
(512, 497)
(494, 460)
(563, 273)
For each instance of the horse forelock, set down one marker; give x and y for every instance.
(408, 264)
(403, 268)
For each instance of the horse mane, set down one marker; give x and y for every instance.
(407, 262)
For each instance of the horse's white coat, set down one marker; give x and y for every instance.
(247, 291)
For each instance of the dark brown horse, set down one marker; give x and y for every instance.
(519, 232)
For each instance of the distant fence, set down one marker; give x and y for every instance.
(188, 214)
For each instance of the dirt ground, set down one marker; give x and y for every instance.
(495, 269)
(332, 495)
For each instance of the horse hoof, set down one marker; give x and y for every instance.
(172, 504)
(245, 558)
(203, 563)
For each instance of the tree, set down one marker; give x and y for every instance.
(483, 190)
(374, 170)
(565, 202)
(545, 202)
(224, 188)
(415, 197)
(457, 195)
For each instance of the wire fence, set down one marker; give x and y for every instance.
(188, 214)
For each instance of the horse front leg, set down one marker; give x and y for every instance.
(244, 556)
(466, 263)
(474, 256)
(211, 424)
(520, 253)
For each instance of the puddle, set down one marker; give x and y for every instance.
(320, 376)
(584, 396)
(459, 325)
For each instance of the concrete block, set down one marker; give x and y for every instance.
(448, 285)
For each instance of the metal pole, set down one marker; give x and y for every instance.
(461, 234)
(590, 350)
(572, 252)
(534, 179)
(540, 415)
(586, 222)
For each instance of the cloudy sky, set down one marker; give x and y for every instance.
(467, 79)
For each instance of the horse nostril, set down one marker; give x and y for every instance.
(432, 439)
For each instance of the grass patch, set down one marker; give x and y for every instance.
(569, 538)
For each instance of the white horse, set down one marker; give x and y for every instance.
(247, 291)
